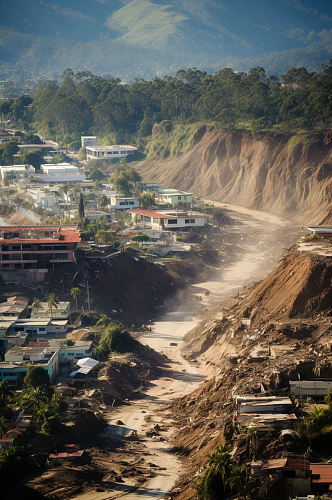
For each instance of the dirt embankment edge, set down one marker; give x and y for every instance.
(286, 334)
(274, 174)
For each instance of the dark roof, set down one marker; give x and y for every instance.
(287, 463)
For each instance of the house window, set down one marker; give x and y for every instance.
(122, 203)
(42, 329)
(179, 198)
(16, 247)
(172, 221)
(131, 203)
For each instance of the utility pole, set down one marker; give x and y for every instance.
(87, 288)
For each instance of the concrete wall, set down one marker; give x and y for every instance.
(313, 388)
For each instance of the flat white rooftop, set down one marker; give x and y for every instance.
(111, 148)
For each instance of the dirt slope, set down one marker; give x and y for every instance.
(289, 335)
(11, 215)
(256, 172)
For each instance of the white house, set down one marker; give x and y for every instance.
(35, 326)
(173, 196)
(16, 172)
(109, 152)
(123, 203)
(88, 140)
(80, 349)
(42, 199)
(60, 312)
(59, 168)
(59, 173)
(171, 220)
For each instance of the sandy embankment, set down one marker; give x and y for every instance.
(11, 216)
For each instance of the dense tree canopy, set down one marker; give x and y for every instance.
(126, 113)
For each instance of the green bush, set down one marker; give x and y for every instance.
(115, 339)
(52, 426)
(90, 318)
(312, 237)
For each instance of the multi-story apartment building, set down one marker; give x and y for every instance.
(31, 250)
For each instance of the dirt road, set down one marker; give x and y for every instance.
(262, 240)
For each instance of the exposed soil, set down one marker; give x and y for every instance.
(289, 337)
(255, 171)
(12, 216)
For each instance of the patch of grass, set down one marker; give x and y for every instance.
(143, 22)
(169, 144)
(299, 142)
(312, 237)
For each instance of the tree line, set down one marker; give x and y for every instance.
(88, 104)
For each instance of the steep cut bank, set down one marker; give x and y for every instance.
(11, 215)
(288, 176)
(286, 334)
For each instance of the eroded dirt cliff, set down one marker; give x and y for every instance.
(277, 331)
(275, 174)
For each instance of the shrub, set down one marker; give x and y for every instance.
(52, 426)
(114, 339)
(89, 318)
(312, 237)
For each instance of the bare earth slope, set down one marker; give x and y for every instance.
(289, 336)
(263, 173)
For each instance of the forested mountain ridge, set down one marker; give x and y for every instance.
(86, 104)
(149, 38)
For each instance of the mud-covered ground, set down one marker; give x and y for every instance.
(153, 402)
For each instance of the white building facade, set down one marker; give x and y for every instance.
(109, 152)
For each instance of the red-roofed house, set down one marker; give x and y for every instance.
(31, 250)
(172, 220)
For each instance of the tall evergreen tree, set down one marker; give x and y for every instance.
(81, 208)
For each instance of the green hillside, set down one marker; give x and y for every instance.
(145, 23)
(147, 38)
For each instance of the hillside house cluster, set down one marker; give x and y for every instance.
(48, 353)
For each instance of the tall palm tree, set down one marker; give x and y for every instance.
(237, 478)
(36, 305)
(52, 302)
(6, 393)
(75, 292)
